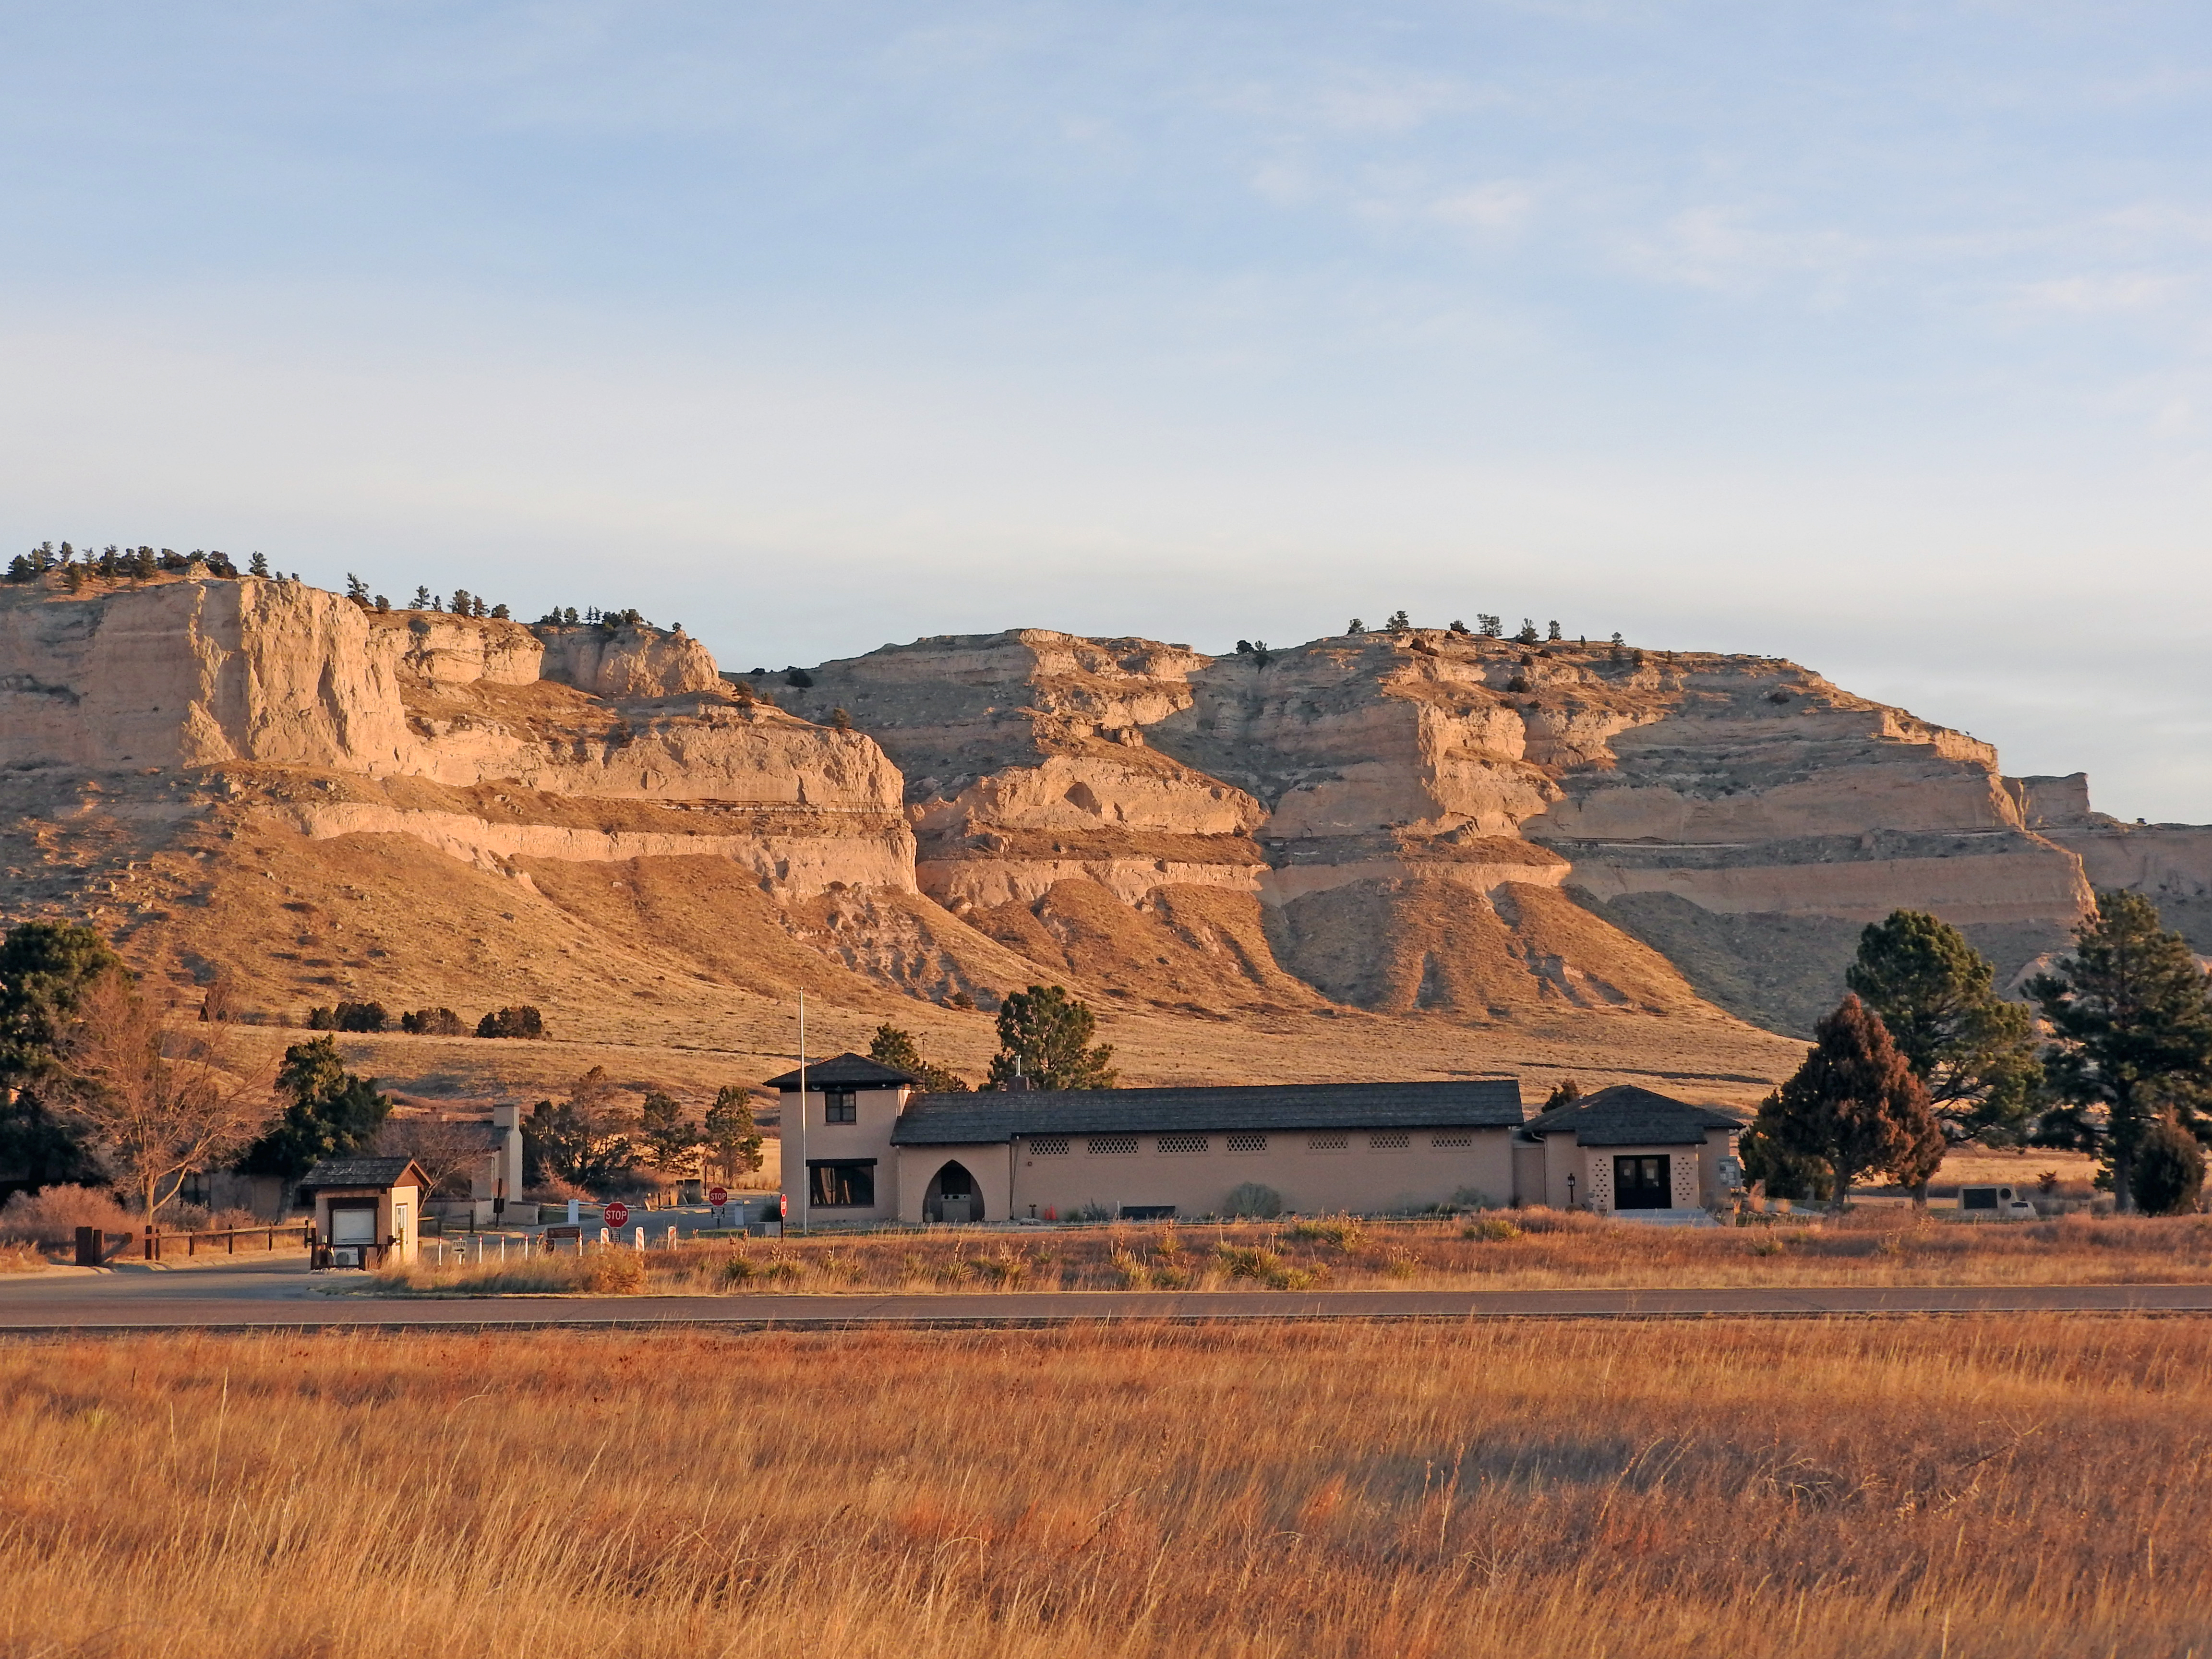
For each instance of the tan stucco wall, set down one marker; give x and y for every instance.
(408, 1195)
(877, 1113)
(1360, 1178)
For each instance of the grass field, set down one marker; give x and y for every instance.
(1961, 1487)
(1525, 1249)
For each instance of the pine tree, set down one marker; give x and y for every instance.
(730, 1134)
(422, 599)
(1855, 1104)
(356, 590)
(1399, 622)
(256, 566)
(1973, 1051)
(895, 1048)
(671, 1139)
(2133, 1021)
(1527, 635)
(330, 1112)
(1355, 626)
(1044, 1035)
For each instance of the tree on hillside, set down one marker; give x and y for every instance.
(156, 1105)
(670, 1139)
(895, 1047)
(1399, 622)
(422, 600)
(1854, 1105)
(256, 566)
(1972, 1051)
(1566, 1092)
(328, 1113)
(1044, 1035)
(46, 968)
(731, 1137)
(2133, 1024)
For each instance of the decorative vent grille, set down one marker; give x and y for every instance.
(1327, 1142)
(1116, 1145)
(1462, 1138)
(1248, 1143)
(1390, 1140)
(1049, 1146)
(1183, 1143)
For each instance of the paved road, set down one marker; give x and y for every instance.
(282, 1295)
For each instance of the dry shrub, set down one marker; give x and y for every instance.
(55, 1212)
(21, 1258)
(595, 1273)
(1985, 1488)
(1554, 1249)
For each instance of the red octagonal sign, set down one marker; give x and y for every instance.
(718, 1196)
(617, 1213)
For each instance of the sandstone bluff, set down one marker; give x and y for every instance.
(263, 781)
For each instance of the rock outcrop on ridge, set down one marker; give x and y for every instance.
(259, 778)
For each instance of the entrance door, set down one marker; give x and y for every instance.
(1644, 1183)
(952, 1195)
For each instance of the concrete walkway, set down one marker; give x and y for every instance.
(282, 1295)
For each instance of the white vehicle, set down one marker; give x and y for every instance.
(1995, 1204)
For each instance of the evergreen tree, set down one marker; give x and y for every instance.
(1488, 626)
(897, 1048)
(1552, 632)
(1527, 635)
(46, 970)
(582, 1140)
(257, 565)
(143, 567)
(459, 605)
(1399, 622)
(422, 599)
(671, 1139)
(2169, 1169)
(330, 1113)
(1854, 1105)
(356, 590)
(1972, 1051)
(1044, 1035)
(2133, 1025)
(730, 1134)
(1355, 626)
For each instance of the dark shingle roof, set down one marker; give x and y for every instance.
(953, 1120)
(359, 1172)
(845, 1071)
(1625, 1116)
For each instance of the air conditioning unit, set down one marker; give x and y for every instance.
(345, 1255)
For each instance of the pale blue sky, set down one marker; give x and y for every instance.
(1877, 337)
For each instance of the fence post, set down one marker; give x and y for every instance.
(672, 1235)
(89, 1242)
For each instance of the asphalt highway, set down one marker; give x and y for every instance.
(283, 1295)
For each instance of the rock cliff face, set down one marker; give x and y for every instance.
(254, 684)
(1419, 823)
(1433, 820)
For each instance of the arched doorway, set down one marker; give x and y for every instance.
(952, 1195)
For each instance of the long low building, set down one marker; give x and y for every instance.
(873, 1147)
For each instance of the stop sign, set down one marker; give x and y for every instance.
(718, 1196)
(617, 1213)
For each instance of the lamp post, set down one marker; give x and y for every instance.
(1570, 1192)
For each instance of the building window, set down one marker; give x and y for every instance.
(1389, 1140)
(1113, 1146)
(1183, 1143)
(1334, 1143)
(1246, 1141)
(1459, 1137)
(1049, 1146)
(841, 1186)
(839, 1106)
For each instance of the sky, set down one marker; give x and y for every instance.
(1876, 337)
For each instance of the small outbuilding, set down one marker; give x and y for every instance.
(1626, 1150)
(367, 1209)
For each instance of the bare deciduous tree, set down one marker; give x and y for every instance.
(154, 1104)
(442, 1147)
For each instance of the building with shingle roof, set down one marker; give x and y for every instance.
(1628, 1149)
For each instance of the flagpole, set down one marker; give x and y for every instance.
(805, 1176)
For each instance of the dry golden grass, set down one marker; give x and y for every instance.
(1968, 1487)
(1501, 1251)
(21, 1258)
